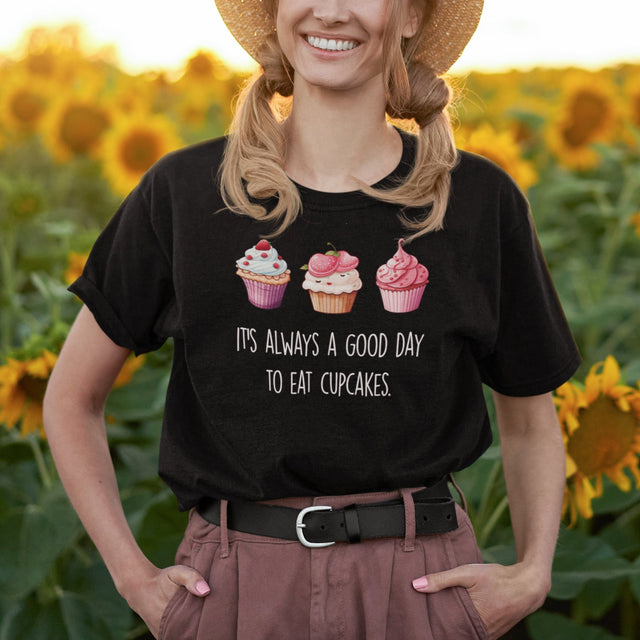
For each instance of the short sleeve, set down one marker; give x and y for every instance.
(534, 350)
(127, 280)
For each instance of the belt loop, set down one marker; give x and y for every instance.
(409, 520)
(224, 530)
(463, 500)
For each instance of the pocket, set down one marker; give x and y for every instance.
(462, 548)
(171, 607)
(472, 612)
(451, 612)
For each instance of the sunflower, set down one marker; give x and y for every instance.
(203, 67)
(76, 262)
(75, 127)
(60, 56)
(23, 103)
(133, 145)
(503, 149)
(22, 387)
(588, 114)
(601, 431)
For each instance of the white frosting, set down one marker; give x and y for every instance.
(336, 283)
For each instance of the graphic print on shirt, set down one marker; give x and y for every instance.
(265, 275)
(402, 281)
(332, 281)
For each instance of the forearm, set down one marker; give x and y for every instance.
(78, 442)
(534, 469)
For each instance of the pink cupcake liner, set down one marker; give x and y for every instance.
(402, 301)
(264, 296)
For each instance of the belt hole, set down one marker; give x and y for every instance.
(448, 516)
(322, 527)
(425, 518)
(342, 524)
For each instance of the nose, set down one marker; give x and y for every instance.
(331, 11)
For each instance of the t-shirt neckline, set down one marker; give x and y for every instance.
(344, 200)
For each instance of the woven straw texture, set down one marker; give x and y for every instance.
(451, 28)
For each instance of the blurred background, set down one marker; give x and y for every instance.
(92, 94)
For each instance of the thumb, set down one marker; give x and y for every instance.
(456, 577)
(190, 579)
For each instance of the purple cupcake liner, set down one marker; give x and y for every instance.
(264, 296)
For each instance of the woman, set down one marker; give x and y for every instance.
(319, 387)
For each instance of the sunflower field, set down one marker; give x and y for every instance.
(77, 133)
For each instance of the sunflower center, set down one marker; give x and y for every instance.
(81, 127)
(587, 114)
(26, 107)
(139, 151)
(33, 387)
(605, 436)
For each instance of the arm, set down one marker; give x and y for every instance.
(533, 457)
(74, 422)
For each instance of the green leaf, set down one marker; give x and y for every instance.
(614, 500)
(68, 617)
(580, 558)
(29, 620)
(140, 399)
(162, 529)
(305, 267)
(31, 539)
(596, 600)
(93, 583)
(553, 626)
(80, 619)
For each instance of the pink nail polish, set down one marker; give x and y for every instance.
(420, 583)
(202, 587)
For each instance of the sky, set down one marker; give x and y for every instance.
(153, 34)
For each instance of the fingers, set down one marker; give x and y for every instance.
(462, 576)
(190, 579)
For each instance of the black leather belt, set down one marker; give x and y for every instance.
(320, 525)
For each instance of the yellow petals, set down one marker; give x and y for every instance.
(601, 432)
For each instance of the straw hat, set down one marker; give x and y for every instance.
(449, 30)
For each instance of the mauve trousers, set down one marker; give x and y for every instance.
(272, 589)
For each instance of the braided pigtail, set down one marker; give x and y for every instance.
(415, 92)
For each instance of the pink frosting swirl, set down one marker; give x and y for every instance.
(403, 271)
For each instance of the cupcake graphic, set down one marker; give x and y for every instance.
(402, 281)
(332, 281)
(265, 275)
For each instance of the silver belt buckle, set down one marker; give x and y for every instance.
(300, 525)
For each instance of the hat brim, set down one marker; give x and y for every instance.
(447, 34)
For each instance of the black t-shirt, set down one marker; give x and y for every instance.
(293, 375)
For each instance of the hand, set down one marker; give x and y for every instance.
(151, 592)
(502, 595)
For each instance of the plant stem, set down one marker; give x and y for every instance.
(488, 528)
(483, 508)
(47, 481)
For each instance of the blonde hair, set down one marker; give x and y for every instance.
(252, 168)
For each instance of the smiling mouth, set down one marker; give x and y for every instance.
(325, 44)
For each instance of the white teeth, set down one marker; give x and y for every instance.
(331, 45)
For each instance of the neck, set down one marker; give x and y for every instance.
(335, 138)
